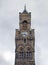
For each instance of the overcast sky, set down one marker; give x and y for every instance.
(9, 21)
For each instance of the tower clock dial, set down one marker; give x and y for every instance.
(24, 34)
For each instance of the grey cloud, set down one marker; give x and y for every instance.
(3, 62)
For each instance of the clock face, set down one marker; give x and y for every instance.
(24, 33)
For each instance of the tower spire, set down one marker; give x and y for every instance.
(25, 7)
(25, 11)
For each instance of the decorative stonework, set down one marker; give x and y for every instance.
(24, 41)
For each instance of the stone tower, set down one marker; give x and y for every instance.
(24, 40)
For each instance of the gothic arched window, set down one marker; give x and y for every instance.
(28, 53)
(24, 40)
(21, 53)
(24, 24)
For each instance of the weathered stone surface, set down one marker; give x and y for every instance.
(25, 41)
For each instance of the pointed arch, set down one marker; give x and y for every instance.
(20, 48)
(28, 52)
(28, 48)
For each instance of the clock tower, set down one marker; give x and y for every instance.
(24, 40)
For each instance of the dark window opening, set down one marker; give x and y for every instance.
(25, 22)
(21, 54)
(28, 54)
(24, 40)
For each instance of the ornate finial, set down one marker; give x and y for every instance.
(25, 7)
(25, 11)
